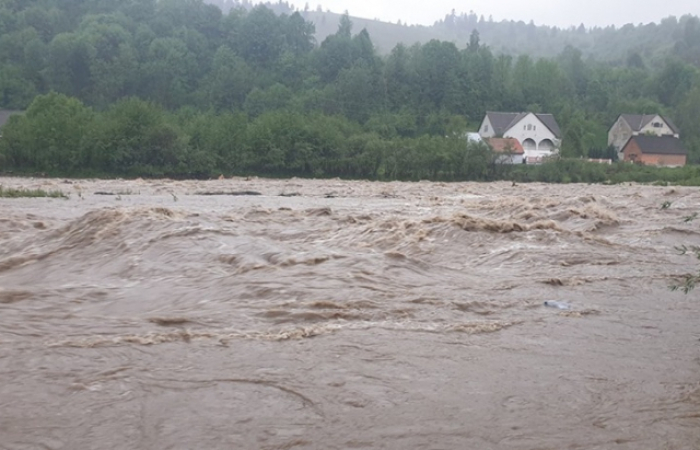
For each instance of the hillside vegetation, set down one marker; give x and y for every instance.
(180, 88)
(633, 43)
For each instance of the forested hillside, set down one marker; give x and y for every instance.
(178, 86)
(633, 43)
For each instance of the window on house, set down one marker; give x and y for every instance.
(529, 128)
(486, 128)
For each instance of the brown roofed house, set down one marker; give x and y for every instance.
(509, 150)
(665, 151)
(628, 125)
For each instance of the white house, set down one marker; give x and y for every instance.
(628, 125)
(539, 134)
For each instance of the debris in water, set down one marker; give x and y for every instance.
(558, 305)
(234, 193)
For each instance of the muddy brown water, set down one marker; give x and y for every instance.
(336, 315)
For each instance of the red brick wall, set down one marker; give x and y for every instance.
(664, 160)
(634, 154)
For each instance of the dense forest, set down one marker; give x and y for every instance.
(650, 43)
(178, 87)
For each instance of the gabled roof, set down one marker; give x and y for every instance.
(551, 123)
(639, 121)
(671, 125)
(506, 145)
(659, 145)
(5, 115)
(504, 121)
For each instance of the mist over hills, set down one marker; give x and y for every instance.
(650, 43)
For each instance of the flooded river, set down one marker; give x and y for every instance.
(347, 315)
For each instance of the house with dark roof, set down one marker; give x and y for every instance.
(628, 125)
(539, 134)
(667, 151)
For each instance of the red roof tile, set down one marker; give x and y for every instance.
(506, 145)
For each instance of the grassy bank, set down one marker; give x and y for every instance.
(579, 171)
(560, 171)
(29, 193)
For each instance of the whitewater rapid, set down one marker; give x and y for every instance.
(280, 314)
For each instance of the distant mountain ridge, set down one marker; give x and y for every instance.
(630, 44)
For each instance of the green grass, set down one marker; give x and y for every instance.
(29, 193)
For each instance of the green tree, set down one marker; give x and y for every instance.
(169, 72)
(133, 137)
(575, 69)
(345, 26)
(228, 83)
(478, 81)
(12, 45)
(399, 78)
(16, 91)
(221, 137)
(359, 91)
(437, 67)
(335, 55)
(474, 42)
(47, 21)
(260, 101)
(70, 57)
(114, 63)
(673, 82)
(688, 119)
(299, 34)
(48, 137)
(261, 40)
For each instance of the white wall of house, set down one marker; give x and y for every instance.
(537, 140)
(473, 137)
(486, 129)
(619, 134)
(658, 127)
(509, 159)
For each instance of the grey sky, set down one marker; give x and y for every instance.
(543, 12)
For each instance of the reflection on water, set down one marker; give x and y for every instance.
(333, 314)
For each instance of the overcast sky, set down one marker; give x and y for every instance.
(562, 13)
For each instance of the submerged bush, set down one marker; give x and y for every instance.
(29, 193)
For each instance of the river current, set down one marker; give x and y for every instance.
(308, 314)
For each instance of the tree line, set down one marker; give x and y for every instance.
(133, 137)
(179, 87)
(646, 44)
(59, 135)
